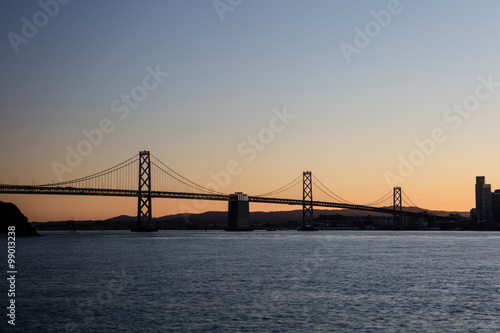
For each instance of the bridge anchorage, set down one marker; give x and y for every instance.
(238, 215)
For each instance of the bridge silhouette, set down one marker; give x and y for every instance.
(146, 177)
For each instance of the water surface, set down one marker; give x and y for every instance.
(281, 281)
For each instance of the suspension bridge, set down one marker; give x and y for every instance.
(146, 177)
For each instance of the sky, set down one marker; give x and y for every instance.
(365, 94)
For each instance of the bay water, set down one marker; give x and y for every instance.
(261, 281)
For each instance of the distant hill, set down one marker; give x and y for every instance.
(214, 220)
(350, 212)
(10, 215)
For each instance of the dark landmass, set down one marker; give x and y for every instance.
(10, 215)
(260, 220)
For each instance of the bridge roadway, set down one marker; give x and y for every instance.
(22, 189)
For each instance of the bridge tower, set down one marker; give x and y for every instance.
(307, 203)
(144, 209)
(397, 208)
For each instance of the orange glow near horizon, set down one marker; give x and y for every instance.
(433, 186)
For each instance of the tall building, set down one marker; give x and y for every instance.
(479, 197)
(496, 205)
(487, 207)
(484, 200)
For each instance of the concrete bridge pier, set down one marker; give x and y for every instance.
(238, 213)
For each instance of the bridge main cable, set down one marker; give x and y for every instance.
(181, 178)
(414, 207)
(323, 188)
(283, 188)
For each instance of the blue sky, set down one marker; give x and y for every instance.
(353, 120)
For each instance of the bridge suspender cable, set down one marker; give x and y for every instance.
(108, 171)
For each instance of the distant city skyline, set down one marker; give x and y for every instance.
(367, 95)
(487, 209)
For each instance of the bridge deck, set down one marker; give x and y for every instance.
(21, 189)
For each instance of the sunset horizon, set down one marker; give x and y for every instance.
(250, 166)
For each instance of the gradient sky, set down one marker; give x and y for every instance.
(354, 120)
